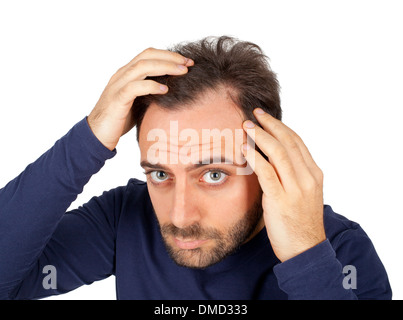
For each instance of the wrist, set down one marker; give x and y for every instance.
(97, 132)
(106, 150)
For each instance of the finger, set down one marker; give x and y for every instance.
(268, 178)
(133, 89)
(151, 68)
(293, 143)
(309, 161)
(276, 153)
(157, 54)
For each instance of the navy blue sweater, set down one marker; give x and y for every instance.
(117, 234)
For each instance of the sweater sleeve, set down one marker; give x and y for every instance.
(346, 269)
(33, 223)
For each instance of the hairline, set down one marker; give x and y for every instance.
(230, 92)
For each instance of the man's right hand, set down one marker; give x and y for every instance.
(112, 117)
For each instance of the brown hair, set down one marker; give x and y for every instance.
(239, 66)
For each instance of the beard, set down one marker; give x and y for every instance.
(224, 243)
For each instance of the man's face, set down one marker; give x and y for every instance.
(205, 210)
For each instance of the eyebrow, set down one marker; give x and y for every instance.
(193, 166)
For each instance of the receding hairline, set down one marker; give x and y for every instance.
(240, 66)
(228, 91)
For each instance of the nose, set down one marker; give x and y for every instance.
(184, 212)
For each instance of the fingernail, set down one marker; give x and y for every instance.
(245, 146)
(163, 88)
(181, 66)
(189, 62)
(259, 111)
(249, 124)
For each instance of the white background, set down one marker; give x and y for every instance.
(339, 64)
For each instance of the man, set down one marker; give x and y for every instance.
(213, 221)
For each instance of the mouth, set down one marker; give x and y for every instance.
(189, 244)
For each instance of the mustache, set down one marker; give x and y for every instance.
(195, 231)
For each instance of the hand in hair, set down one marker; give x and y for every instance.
(292, 186)
(112, 115)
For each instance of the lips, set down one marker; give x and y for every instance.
(189, 244)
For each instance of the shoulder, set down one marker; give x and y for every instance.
(346, 236)
(136, 186)
(136, 194)
(336, 224)
(115, 202)
(353, 247)
(136, 182)
(134, 190)
(118, 195)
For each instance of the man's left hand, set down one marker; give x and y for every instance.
(292, 186)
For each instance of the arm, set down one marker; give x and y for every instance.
(348, 268)
(292, 186)
(34, 230)
(33, 204)
(81, 249)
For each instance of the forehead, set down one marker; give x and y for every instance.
(214, 114)
(212, 110)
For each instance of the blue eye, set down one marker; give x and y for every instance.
(158, 176)
(214, 176)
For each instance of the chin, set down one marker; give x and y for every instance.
(200, 258)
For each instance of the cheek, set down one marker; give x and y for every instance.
(161, 204)
(237, 186)
(232, 202)
(242, 193)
